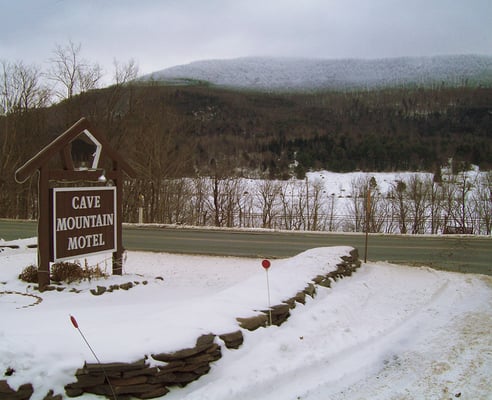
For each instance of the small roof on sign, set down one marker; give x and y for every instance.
(81, 127)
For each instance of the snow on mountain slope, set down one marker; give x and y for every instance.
(301, 73)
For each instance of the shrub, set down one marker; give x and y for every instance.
(66, 271)
(63, 272)
(70, 272)
(93, 272)
(29, 274)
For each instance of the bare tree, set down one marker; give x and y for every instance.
(216, 209)
(246, 210)
(199, 210)
(70, 72)
(448, 202)
(354, 209)
(5, 88)
(368, 208)
(174, 200)
(313, 200)
(268, 192)
(123, 76)
(357, 208)
(463, 185)
(157, 158)
(378, 211)
(225, 201)
(332, 223)
(293, 201)
(21, 88)
(482, 204)
(125, 73)
(32, 92)
(89, 77)
(417, 196)
(227, 193)
(237, 191)
(435, 200)
(397, 194)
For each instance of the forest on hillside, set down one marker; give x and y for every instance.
(194, 131)
(260, 133)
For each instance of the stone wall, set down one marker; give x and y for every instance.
(141, 380)
(281, 312)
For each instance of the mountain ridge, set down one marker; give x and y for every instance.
(288, 73)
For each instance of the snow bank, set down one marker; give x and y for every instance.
(387, 330)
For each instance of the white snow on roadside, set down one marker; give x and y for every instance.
(387, 332)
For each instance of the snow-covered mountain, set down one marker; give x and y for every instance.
(300, 73)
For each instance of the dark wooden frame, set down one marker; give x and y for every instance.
(61, 146)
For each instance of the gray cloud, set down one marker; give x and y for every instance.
(159, 34)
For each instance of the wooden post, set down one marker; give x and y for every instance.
(118, 254)
(368, 213)
(43, 229)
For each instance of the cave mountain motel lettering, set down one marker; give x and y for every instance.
(83, 221)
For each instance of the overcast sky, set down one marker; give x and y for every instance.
(160, 34)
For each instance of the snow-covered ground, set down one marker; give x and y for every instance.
(387, 332)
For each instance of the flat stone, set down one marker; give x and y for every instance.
(52, 396)
(23, 393)
(291, 302)
(301, 297)
(126, 286)
(159, 392)
(205, 340)
(182, 354)
(253, 323)
(168, 378)
(140, 372)
(209, 356)
(310, 290)
(326, 282)
(71, 391)
(113, 367)
(233, 340)
(88, 380)
(186, 377)
(318, 278)
(5, 388)
(135, 389)
(171, 367)
(135, 380)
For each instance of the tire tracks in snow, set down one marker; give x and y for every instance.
(344, 367)
(357, 345)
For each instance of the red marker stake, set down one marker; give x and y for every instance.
(266, 265)
(76, 326)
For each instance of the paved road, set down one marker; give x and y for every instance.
(453, 253)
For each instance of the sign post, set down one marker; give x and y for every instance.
(77, 221)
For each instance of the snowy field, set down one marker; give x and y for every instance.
(387, 332)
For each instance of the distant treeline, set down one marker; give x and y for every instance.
(195, 131)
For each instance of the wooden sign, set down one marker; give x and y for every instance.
(83, 221)
(76, 221)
